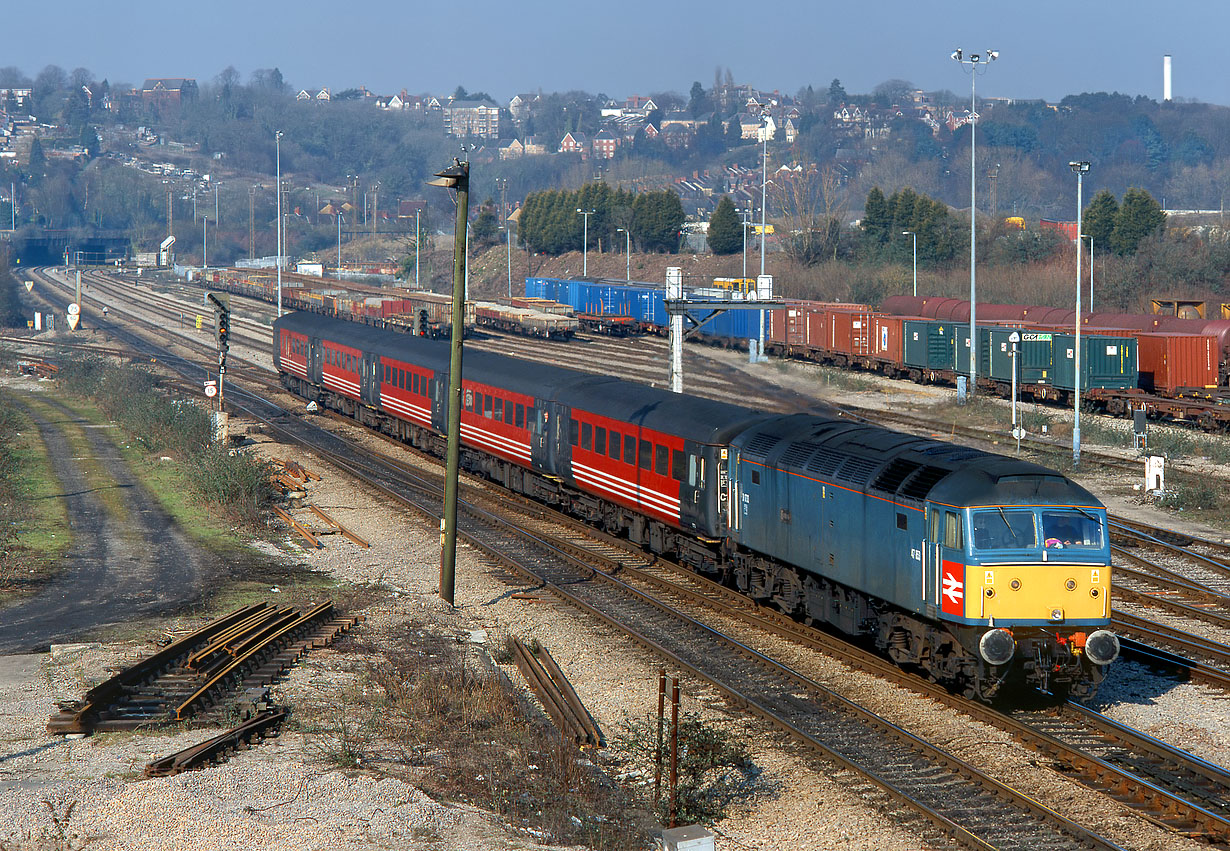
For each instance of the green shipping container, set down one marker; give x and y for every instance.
(936, 345)
(1034, 354)
(1106, 362)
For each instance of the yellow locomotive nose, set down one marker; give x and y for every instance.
(1041, 592)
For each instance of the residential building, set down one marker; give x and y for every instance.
(511, 149)
(575, 143)
(168, 93)
(519, 105)
(605, 144)
(465, 118)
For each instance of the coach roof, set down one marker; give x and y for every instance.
(654, 408)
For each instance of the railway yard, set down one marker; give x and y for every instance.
(848, 750)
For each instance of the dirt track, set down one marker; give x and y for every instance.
(128, 558)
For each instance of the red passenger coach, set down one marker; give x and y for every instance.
(341, 368)
(497, 420)
(294, 353)
(634, 467)
(405, 390)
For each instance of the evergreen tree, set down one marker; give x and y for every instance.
(1098, 219)
(837, 93)
(657, 218)
(725, 229)
(1139, 216)
(38, 161)
(877, 217)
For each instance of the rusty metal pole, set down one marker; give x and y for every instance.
(657, 758)
(457, 177)
(674, 751)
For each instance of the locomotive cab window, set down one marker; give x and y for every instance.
(954, 539)
(1003, 530)
(1062, 529)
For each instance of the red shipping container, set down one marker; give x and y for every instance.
(816, 324)
(849, 332)
(788, 325)
(886, 337)
(1170, 362)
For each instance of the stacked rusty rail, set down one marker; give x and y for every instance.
(249, 648)
(557, 694)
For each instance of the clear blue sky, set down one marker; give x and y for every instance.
(1048, 49)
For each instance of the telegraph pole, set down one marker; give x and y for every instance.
(456, 177)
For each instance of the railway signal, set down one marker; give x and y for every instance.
(224, 328)
(422, 323)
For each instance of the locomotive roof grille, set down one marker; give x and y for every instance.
(919, 485)
(857, 471)
(894, 474)
(796, 454)
(761, 444)
(825, 462)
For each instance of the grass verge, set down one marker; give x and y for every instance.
(34, 530)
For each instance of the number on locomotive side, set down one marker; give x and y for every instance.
(916, 554)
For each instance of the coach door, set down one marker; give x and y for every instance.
(539, 423)
(315, 360)
(369, 382)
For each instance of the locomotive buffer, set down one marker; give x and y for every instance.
(678, 308)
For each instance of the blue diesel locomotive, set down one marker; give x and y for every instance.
(978, 569)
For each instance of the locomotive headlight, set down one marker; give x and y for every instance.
(997, 647)
(1056, 614)
(1102, 647)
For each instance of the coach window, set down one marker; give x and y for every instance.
(574, 432)
(645, 459)
(401, 379)
(630, 449)
(520, 423)
(587, 436)
(677, 464)
(953, 539)
(499, 410)
(600, 440)
(614, 445)
(663, 457)
(488, 405)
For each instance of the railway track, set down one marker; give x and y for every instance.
(245, 650)
(495, 551)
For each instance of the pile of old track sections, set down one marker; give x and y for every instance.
(557, 695)
(239, 654)
(210, 751)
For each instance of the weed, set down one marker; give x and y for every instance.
(1105, 433)
(460, 730)
(714, 770)
(238, 482)
(1200, 496)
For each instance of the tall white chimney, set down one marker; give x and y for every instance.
(1166, 77)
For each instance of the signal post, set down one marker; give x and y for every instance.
(221, 303)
